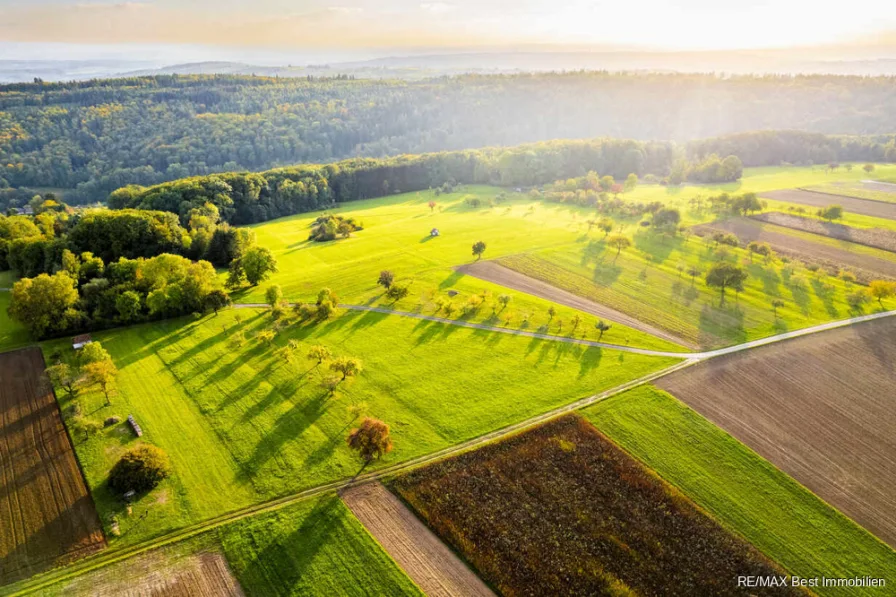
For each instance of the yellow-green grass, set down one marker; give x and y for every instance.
(243, 425)
(743, 491)
(849, 218)
(314, 548)
(853, 190)
(645, 282)
(12, 333)
(397, 237)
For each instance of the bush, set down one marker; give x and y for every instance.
(140, 469)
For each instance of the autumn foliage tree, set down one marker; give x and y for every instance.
(371, 439)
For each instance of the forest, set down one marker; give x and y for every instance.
(90, 138)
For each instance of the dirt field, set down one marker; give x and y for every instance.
(821, 408)
(422, 555)
(877, 209)
(46, 515)
(492, 272)
(864, 266)
(883, 187)
(873, 237)
(158, 574)
(560, 510)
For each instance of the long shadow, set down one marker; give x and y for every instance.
(451, 280)
(725, 322)
(826, 294)
(658, 246)
(771, 281)
(606, 273)
(590, 360)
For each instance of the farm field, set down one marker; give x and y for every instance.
(261, 427)
(873, 237)
(46, 515)
(820, 408)
(741, 490)
(872, 191)
(12, 333)
(865, 207)
(312, 548)
(420, 553)
(645, 282)
(562, 510)
(866, 263)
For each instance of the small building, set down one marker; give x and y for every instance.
(79, 342)
(434, 232)
(138, 431)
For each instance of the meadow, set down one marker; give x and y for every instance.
(860, 190)
(260, 426)
(741, 490)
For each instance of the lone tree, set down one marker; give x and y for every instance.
(619, 242)
(319, 353)
(397, 292)
(601, 328)
(140, 469)
(258, 263)
(63, 375)
(777, 304)
(868, 168)
(386, 278)
(724, 275)
(273, 295)
(881, 289)
(370, 439)
(551, 312)
(432, 206)
(347, 366)
(478, 249)
(830, 213)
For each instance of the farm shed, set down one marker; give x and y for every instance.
(434, 232)
(79, 342)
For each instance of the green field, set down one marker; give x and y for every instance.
(314, 548)
(853, 190)
(742, 490)
(12, 333)
(259, 427)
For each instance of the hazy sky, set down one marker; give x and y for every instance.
(682, 24)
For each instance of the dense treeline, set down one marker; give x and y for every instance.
(243, 198)
(101, 135)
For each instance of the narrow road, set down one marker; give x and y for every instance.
(106, 558)
(581, 341)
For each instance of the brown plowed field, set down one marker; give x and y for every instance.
(748, 230)
(871, 237)
(561, 510)
(508, 278)
(158, 574)
(877, 209)
(821, 408)
(46, 515)
(422, 555)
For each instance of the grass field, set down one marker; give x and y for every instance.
(742, 490)
(12, 333)
(645, 282)
(46, 515)
(259, 427)
(560, 510)
(860, 190)
(841, 234)
(314, 548)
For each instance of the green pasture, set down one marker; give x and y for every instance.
(12, 333)
(241, 424)
(742, 490)
(313, 548)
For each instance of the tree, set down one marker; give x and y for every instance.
(432, 206)
(756, 247)
(86, 426)
(777, 304)
(258, 263)
(128, 305)
(601, 328)
(319, 353)
(140, 469)
(576, 320)
(619, 242)
(103, 374)
(93, 353)
(666, 217)
(217, 299)
(327, 301)
(397, 292)
(386, 278)
(236, 275)
(273, 295)
(724, 275)
(63, 375)
(370, 439)
(504, 299)
(551, 312)
(478, 249)
(881, 289)
(830, 213)
(631, 182)
(693, 272)
(45, 304)
(869, 168)
(346, 366)
(605, 225)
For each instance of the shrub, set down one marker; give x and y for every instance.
(140, 469)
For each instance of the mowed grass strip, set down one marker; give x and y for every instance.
(313, 548)
(858, 190)
(561, 510)
(242, 424)
(744, 492)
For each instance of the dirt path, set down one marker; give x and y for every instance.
(497, 274)
(867, 207)
(429, 562)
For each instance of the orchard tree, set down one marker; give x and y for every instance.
(371, 439)
(601, 328)
(346, 366)
(693, 272)
(63, 375)
(619, 242)
(504, 299)
(319, 353)
(273, 295)
(551, 312)
(397, 292)
(869, 168)
(777, 304)
(830, 213)
(217, 299)
(631, 182)
(478, 249)
(46, 304)
(724, 275)
(140, 469)
(605, 225)
(881, 289)
(386, 278)
(432, 206)
(103, 374)
(258, 263)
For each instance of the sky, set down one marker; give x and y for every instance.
(403, 24)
